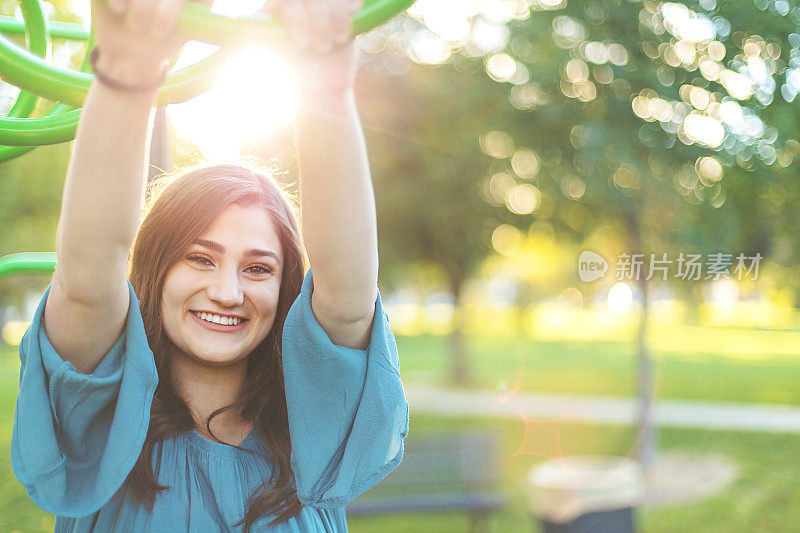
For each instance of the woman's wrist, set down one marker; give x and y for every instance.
(128, 73)
(329, 75)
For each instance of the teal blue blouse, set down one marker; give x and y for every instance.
(77, 436)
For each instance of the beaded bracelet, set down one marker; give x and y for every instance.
(114, 84)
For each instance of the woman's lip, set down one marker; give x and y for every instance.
(217, 327)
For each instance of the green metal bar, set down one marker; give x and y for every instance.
(27, 262)
(56, 29)
(9, 152)
(36, 29)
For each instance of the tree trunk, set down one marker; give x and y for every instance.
(647, 448)
(459, 365)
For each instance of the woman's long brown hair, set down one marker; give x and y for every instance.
(178, 211)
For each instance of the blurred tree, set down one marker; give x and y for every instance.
(429, 173)
(623, 114)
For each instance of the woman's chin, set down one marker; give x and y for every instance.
(218, 359)
(223, 360)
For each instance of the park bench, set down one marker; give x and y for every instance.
(441, 471)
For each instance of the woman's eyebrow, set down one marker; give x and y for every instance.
(253, 252)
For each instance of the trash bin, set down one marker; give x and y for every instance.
(589, 494)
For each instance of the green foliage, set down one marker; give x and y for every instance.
(585, 128)
(603, 162)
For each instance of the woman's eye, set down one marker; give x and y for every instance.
(261, 269)
(199, 259)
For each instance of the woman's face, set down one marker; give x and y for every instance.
(232, 271)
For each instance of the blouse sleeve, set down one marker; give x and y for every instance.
(348, 413)
(77, 436)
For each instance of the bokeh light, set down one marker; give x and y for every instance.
(498, 144)
(13, 331)
(506, 239)
(620, 298)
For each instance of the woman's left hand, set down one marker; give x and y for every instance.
(319, 32)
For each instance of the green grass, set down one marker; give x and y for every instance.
(725, 364)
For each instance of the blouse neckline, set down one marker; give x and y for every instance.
(217, 447)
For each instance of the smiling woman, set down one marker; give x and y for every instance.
(227, 280)
(207, 381)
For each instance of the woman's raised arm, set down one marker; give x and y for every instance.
(104, 189)
(337, 200)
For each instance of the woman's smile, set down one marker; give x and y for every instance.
(218, 327)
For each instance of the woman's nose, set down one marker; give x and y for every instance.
(226, 288)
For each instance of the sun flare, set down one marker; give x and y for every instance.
(252, 99)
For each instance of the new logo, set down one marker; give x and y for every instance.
(591, 266)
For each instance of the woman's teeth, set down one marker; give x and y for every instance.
(216, 319)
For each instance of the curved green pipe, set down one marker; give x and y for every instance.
(56, 29)
(38, 44)
(67, 131)
(27, 262)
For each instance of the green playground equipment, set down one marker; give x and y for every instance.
(27, 262)
(29, 70)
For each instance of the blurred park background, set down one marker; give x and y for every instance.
(506, 137)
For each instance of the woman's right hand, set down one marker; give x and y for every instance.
(136, 39)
